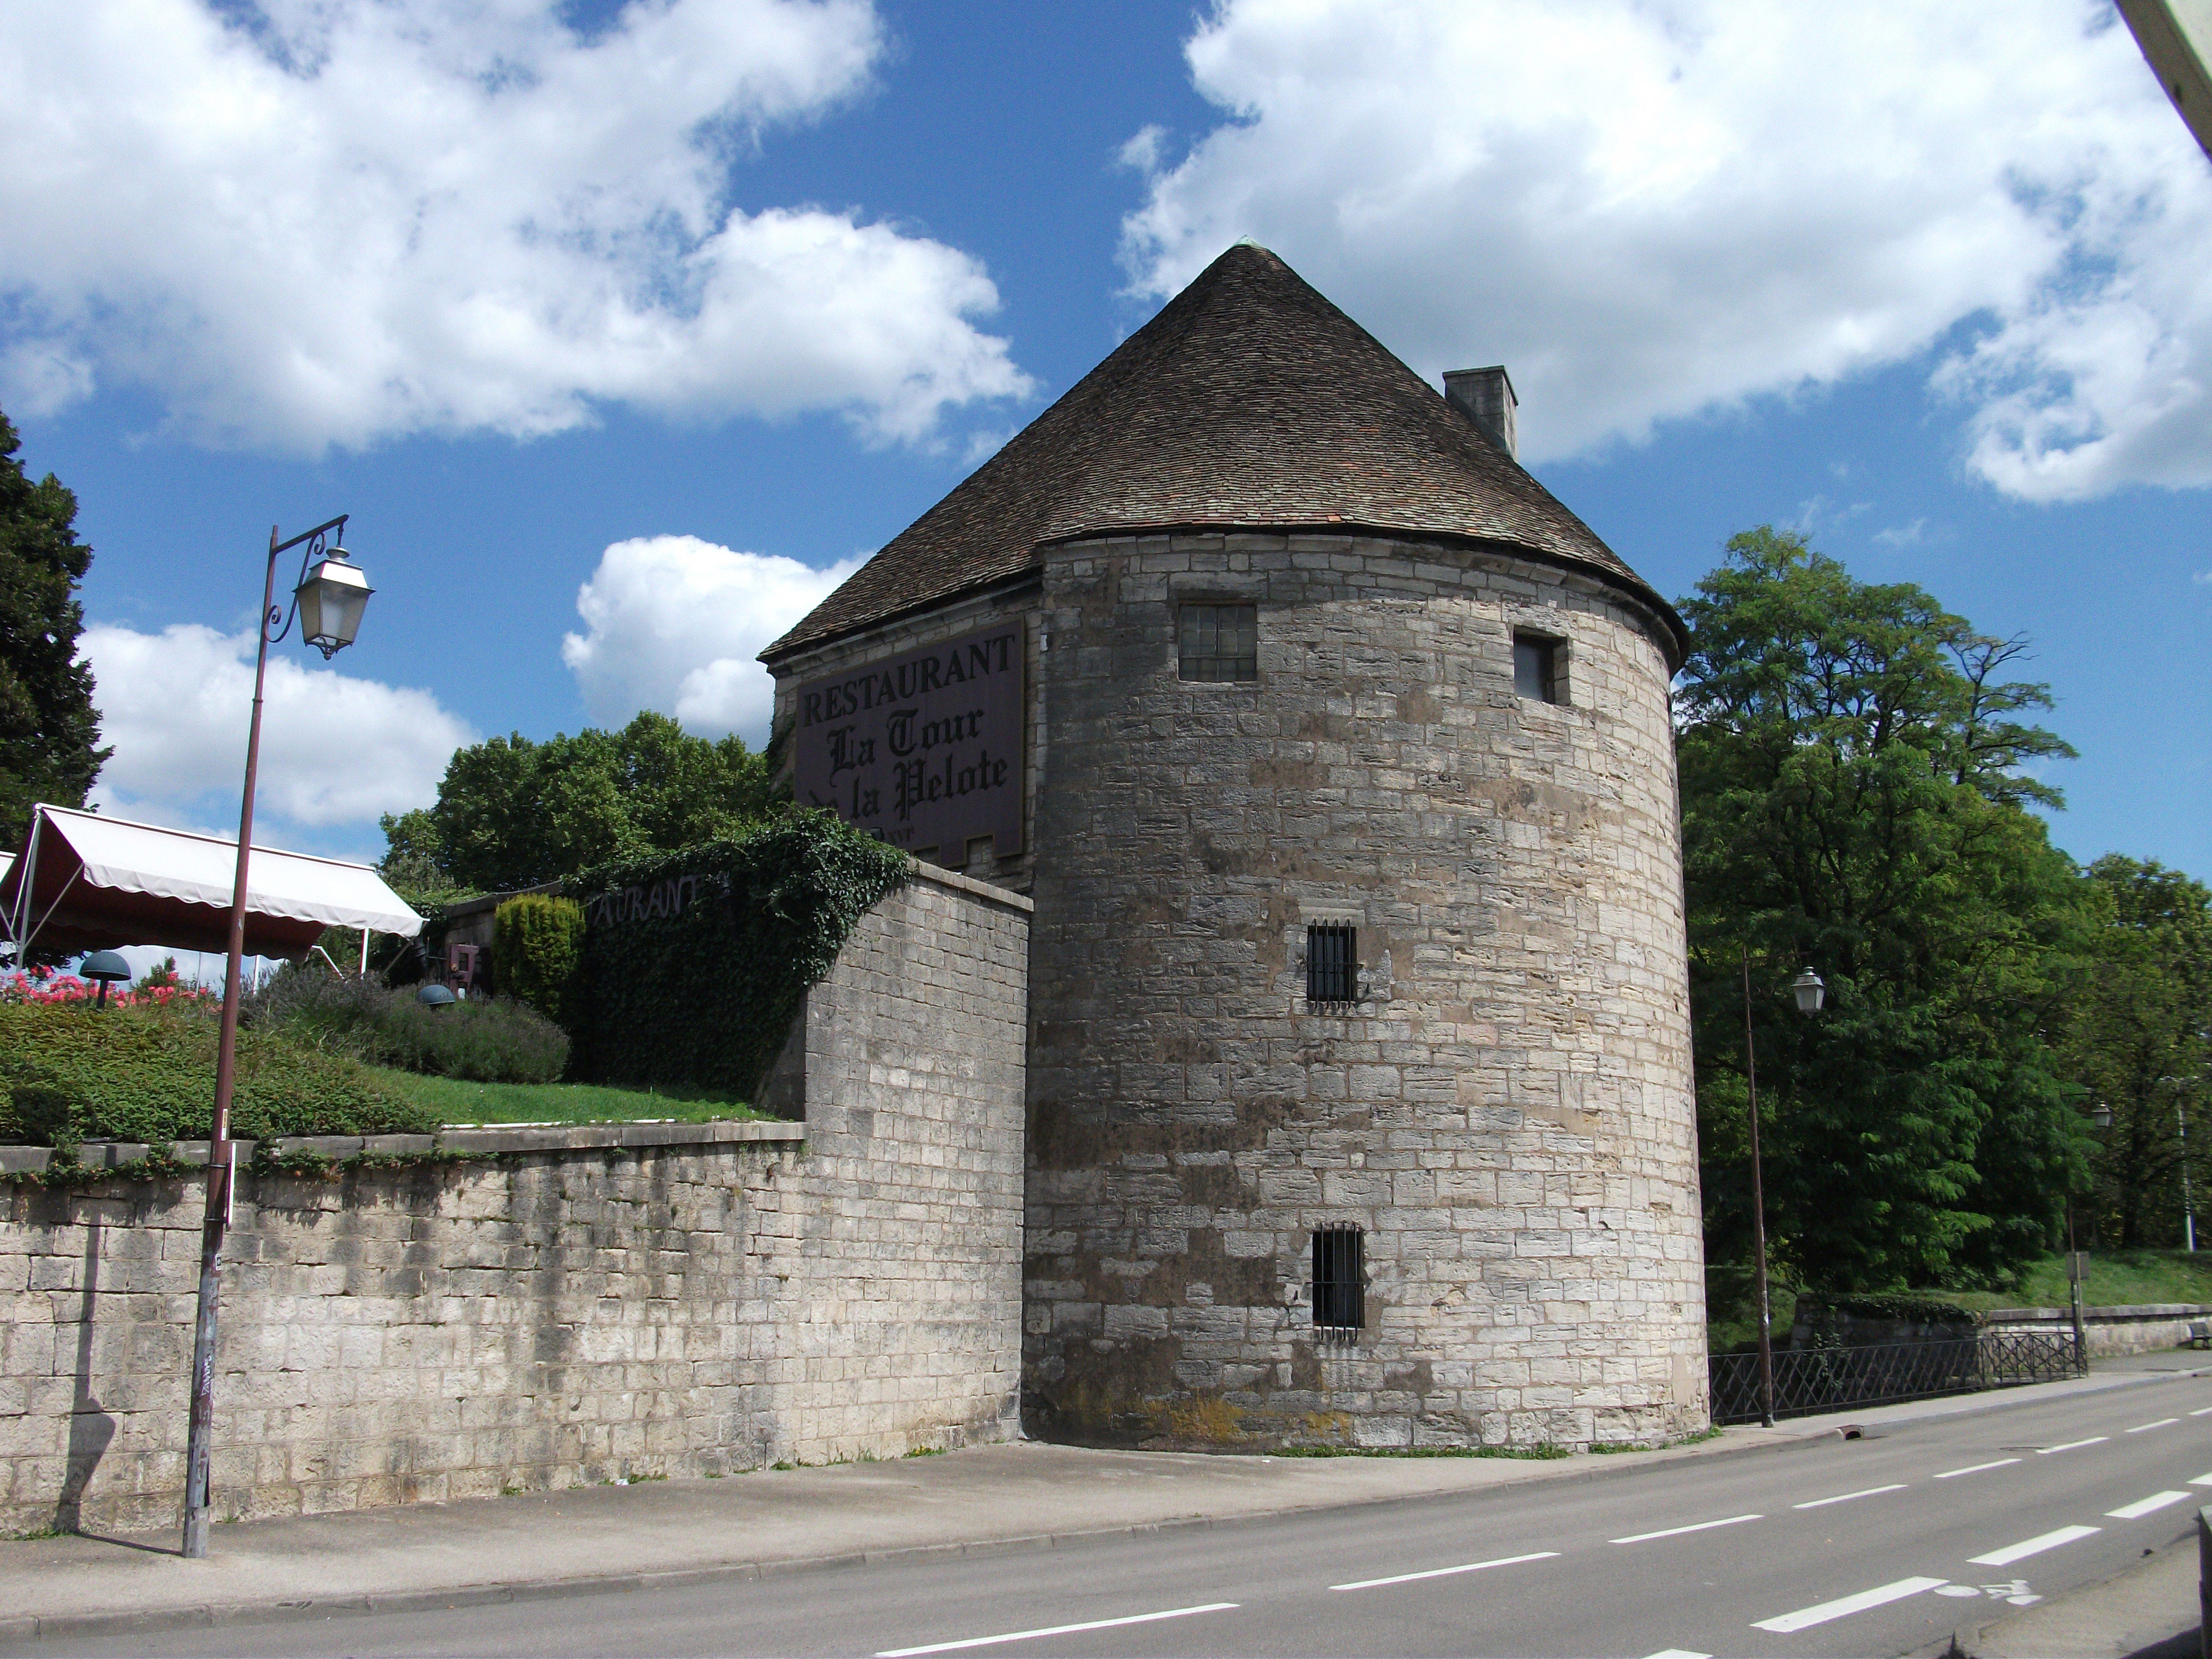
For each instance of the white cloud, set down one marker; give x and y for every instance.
(335, 749)
(1909, 535)
(674, 623)
(365, 218)
(1650, 209)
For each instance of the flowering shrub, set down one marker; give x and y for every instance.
(43, 986)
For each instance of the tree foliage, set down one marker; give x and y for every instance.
(512, 813)
(49, 730)
(2135, 1038)
(1855, 774)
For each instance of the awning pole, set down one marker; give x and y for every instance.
(364, 951)
(24, 944)
(30, 873)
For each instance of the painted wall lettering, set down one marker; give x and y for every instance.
(923, 750)
(642, 903)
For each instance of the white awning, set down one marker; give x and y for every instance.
(84, 876)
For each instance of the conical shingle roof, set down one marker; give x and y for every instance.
(1249, 402)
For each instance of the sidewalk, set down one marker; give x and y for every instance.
(1021, 1495)
(2149, 1611)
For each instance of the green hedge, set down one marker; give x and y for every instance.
(535, 942)
(148, 1074)
(695, 962)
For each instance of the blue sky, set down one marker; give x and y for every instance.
(615, 328)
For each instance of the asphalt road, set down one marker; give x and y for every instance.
(1876, 1546)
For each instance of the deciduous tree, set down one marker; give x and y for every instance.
(1855, 781)
(513, 813)
(2137, 1037)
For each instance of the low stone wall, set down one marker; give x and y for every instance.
(569, 1305)
(2145, 1327)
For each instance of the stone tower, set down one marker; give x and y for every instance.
(1335, 754)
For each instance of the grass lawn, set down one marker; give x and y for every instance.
(2116, 1278)
(456, 1101)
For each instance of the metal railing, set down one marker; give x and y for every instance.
(1811, 1380)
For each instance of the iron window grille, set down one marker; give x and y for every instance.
(1536, 667)
(1331, 963)
(1218, 642)
(1339, 1284)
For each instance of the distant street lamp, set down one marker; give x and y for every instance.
(329, 602)
(1811, 992)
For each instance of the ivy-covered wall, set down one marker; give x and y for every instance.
(695, 963)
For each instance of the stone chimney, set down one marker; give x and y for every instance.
(1485, 396)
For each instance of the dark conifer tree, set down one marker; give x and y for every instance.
(49, 730)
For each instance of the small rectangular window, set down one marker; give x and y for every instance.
(1331, 963)
(1219, 642)
(1339, 1282)
(1536, 667)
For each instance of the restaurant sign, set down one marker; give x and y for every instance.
(922, 750)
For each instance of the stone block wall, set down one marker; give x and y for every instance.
(2145, 1327)
(580, 1305)
(1505, 1113)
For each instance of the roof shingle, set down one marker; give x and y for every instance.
(1249, 402)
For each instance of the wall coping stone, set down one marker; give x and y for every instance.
(2139, 1310)
(499, 1138)
(968, 884)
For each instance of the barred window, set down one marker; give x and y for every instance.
(1331, 963)
(1219, 642)
(1339, 1282)
(1536, 667)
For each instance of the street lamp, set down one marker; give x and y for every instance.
(328, 603)
(1810, 993)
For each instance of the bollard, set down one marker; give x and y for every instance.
(2204, 1583)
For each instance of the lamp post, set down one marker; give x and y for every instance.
(328, 602)
(1810, 994)
(2100, 1117)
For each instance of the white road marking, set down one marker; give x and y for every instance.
(2093, 1440)
(1805, 1618)
(1845, 1498)
(1054, 1629)
(1958, 1589)
(1676, 1532)
(1976, 1469)
(1677, 1653)
(2143, 1506)
(2202, 1411)
(1436, 1572)
(2036, 1545)
(2202, 1481)
(2160, 1424)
